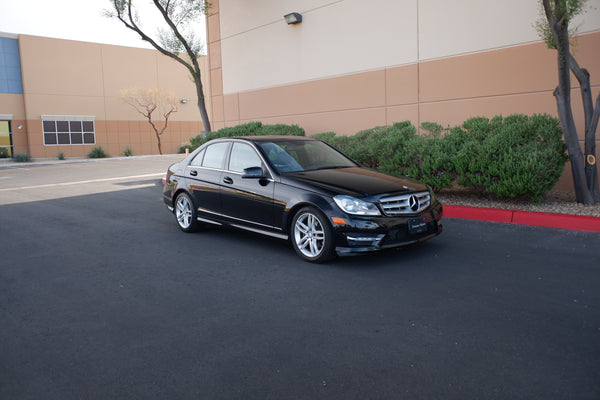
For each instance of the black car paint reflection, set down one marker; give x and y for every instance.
(303, 190)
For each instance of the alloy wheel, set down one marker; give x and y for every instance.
(309, 235)
(183, 212)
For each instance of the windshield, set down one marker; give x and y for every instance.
(299, 155)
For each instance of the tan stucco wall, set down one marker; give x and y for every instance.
(350, 66)
(64, 77)
(259, 50)
(517, 79)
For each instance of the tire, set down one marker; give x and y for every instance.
(185, 213)
(312, 235)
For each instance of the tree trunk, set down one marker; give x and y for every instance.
(567, 122)
(591, 165)
(195, 70)
(202, 105)
(159, 144)
(591, 115)
(560, 31)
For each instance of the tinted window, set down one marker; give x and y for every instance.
(197, 161)
(88, 138)
(243, 156)
(214, 155)
(88, 126)
(62, 126)
(296, 155)
(49, 126)
(76, 138)
(75, 126)
(67, 131)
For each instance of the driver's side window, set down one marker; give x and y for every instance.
(243, 156)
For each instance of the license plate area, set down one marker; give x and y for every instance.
(417, 225)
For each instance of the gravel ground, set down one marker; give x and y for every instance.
(555, 202)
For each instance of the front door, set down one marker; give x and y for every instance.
(6, 145)
(246, 201)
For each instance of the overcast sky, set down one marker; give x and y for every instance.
(76, 20)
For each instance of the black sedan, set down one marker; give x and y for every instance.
(300, 189)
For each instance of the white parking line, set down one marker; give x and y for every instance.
(83, 182)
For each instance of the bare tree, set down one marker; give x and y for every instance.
(554, 28)
(146, 102)
(177, 41)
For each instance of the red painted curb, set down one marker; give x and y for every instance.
(549, 220)
(478, 213)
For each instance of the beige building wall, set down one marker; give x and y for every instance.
(70, 78)
(351, 65)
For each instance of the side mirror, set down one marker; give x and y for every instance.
(253, 173)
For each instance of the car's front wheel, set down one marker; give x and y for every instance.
(312, 236)
(185, 212)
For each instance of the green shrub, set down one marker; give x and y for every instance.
(61, 156)
(372, 147)
(516, 156)
(281, 130)
(22, 157)
(4, 152)
(184, 146)
(424, 159)
(324, 136)
(97, 152)
(127, 152)
(400, 151)
(255, 128)
(433, 128)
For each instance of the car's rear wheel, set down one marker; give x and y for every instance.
(312, 236)
(185, 212)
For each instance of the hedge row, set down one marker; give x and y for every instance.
(517, 156)
(249, 129)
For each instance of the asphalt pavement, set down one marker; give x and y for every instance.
(103, 297)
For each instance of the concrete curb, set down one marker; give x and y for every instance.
(549, 220)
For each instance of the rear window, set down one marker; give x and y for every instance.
(214, 155)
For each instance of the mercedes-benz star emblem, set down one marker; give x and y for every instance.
(413, 203)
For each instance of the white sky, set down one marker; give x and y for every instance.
(77, 20)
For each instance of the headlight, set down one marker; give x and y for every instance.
(352, 205)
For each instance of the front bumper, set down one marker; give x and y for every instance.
(360, 235)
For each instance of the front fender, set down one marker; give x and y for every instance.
(308, 199)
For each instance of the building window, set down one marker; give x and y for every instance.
(63, 130)
(10, 66)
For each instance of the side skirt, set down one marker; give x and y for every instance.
(246, 228)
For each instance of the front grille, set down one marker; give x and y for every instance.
(411, 203)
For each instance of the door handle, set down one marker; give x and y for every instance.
(193, 172)
(228, 180)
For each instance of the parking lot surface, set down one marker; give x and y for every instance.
(102, 297)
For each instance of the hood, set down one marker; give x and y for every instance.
(357, 182)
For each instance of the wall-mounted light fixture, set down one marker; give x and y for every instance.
(183, 101)
(293, 18)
